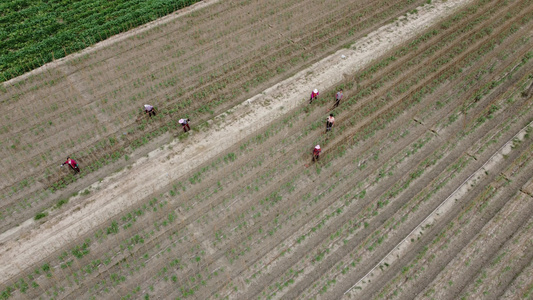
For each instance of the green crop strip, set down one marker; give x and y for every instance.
(34, 32)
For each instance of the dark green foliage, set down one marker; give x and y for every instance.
(40, 215)
(33, 33)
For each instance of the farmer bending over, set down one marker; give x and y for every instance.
(185, 124)
(338, 98)
(314, 95)
(149, 110)
(316, 153)
(72, 163)
(329, 122)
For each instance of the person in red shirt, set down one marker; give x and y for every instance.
(314, 95)
(316, 153)
(72, 163)
(329, 122)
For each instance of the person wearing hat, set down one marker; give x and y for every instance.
(72, 163)
(314, 95)
(185, 124)
(329, 122)
(316, 153)
(149, 110)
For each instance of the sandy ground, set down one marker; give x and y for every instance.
(160, 168)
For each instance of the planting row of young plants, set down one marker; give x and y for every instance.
(121, 147)
(370, 245)
(506, 125)
(478, 208)
(521, 110)
(495, 234)
(115, 258)
(423, 229)
(500, 274)
(252, 178)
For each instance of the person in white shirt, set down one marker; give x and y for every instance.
(149, 110)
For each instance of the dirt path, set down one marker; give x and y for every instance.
(121, 191)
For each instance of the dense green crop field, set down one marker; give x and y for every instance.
(33, 33)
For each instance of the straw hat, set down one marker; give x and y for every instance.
(315, 91)
(317, 147)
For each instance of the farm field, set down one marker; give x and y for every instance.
(423, 190)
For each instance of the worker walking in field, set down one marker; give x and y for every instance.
(72, 163)
(329, 122)
(149, 110)
(338, 97)
(314, 95)
(185, 124)
(316, 153)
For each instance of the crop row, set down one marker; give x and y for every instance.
(378, 237)
(493, 233)
(503, 127)
(122, 146)
(475, 209)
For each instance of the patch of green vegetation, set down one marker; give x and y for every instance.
(36, 32)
